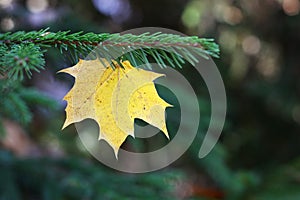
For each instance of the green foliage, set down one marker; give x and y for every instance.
(281, 182)
(16, 99)
(163, 48)
(71, 178)
(19, 59)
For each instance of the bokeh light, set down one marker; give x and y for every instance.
(5, 3)
(7, 24)
(119, 10)
(268, 62)
(37, 6)
(232, 15)
(251, 45)
(191, 15)
(291, 7)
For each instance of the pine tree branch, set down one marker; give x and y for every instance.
(45, 38)
(79, 40)
(16, 101)
(21, 52)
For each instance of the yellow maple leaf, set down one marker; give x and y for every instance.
(114, 98)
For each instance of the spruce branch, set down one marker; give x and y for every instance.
(16, 100)
(80, 40)
(21, 59)
(165, 49)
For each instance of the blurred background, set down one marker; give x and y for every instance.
(257, 156)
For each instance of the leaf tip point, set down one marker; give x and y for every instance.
(116, 151)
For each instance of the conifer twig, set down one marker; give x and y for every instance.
(21, 49)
